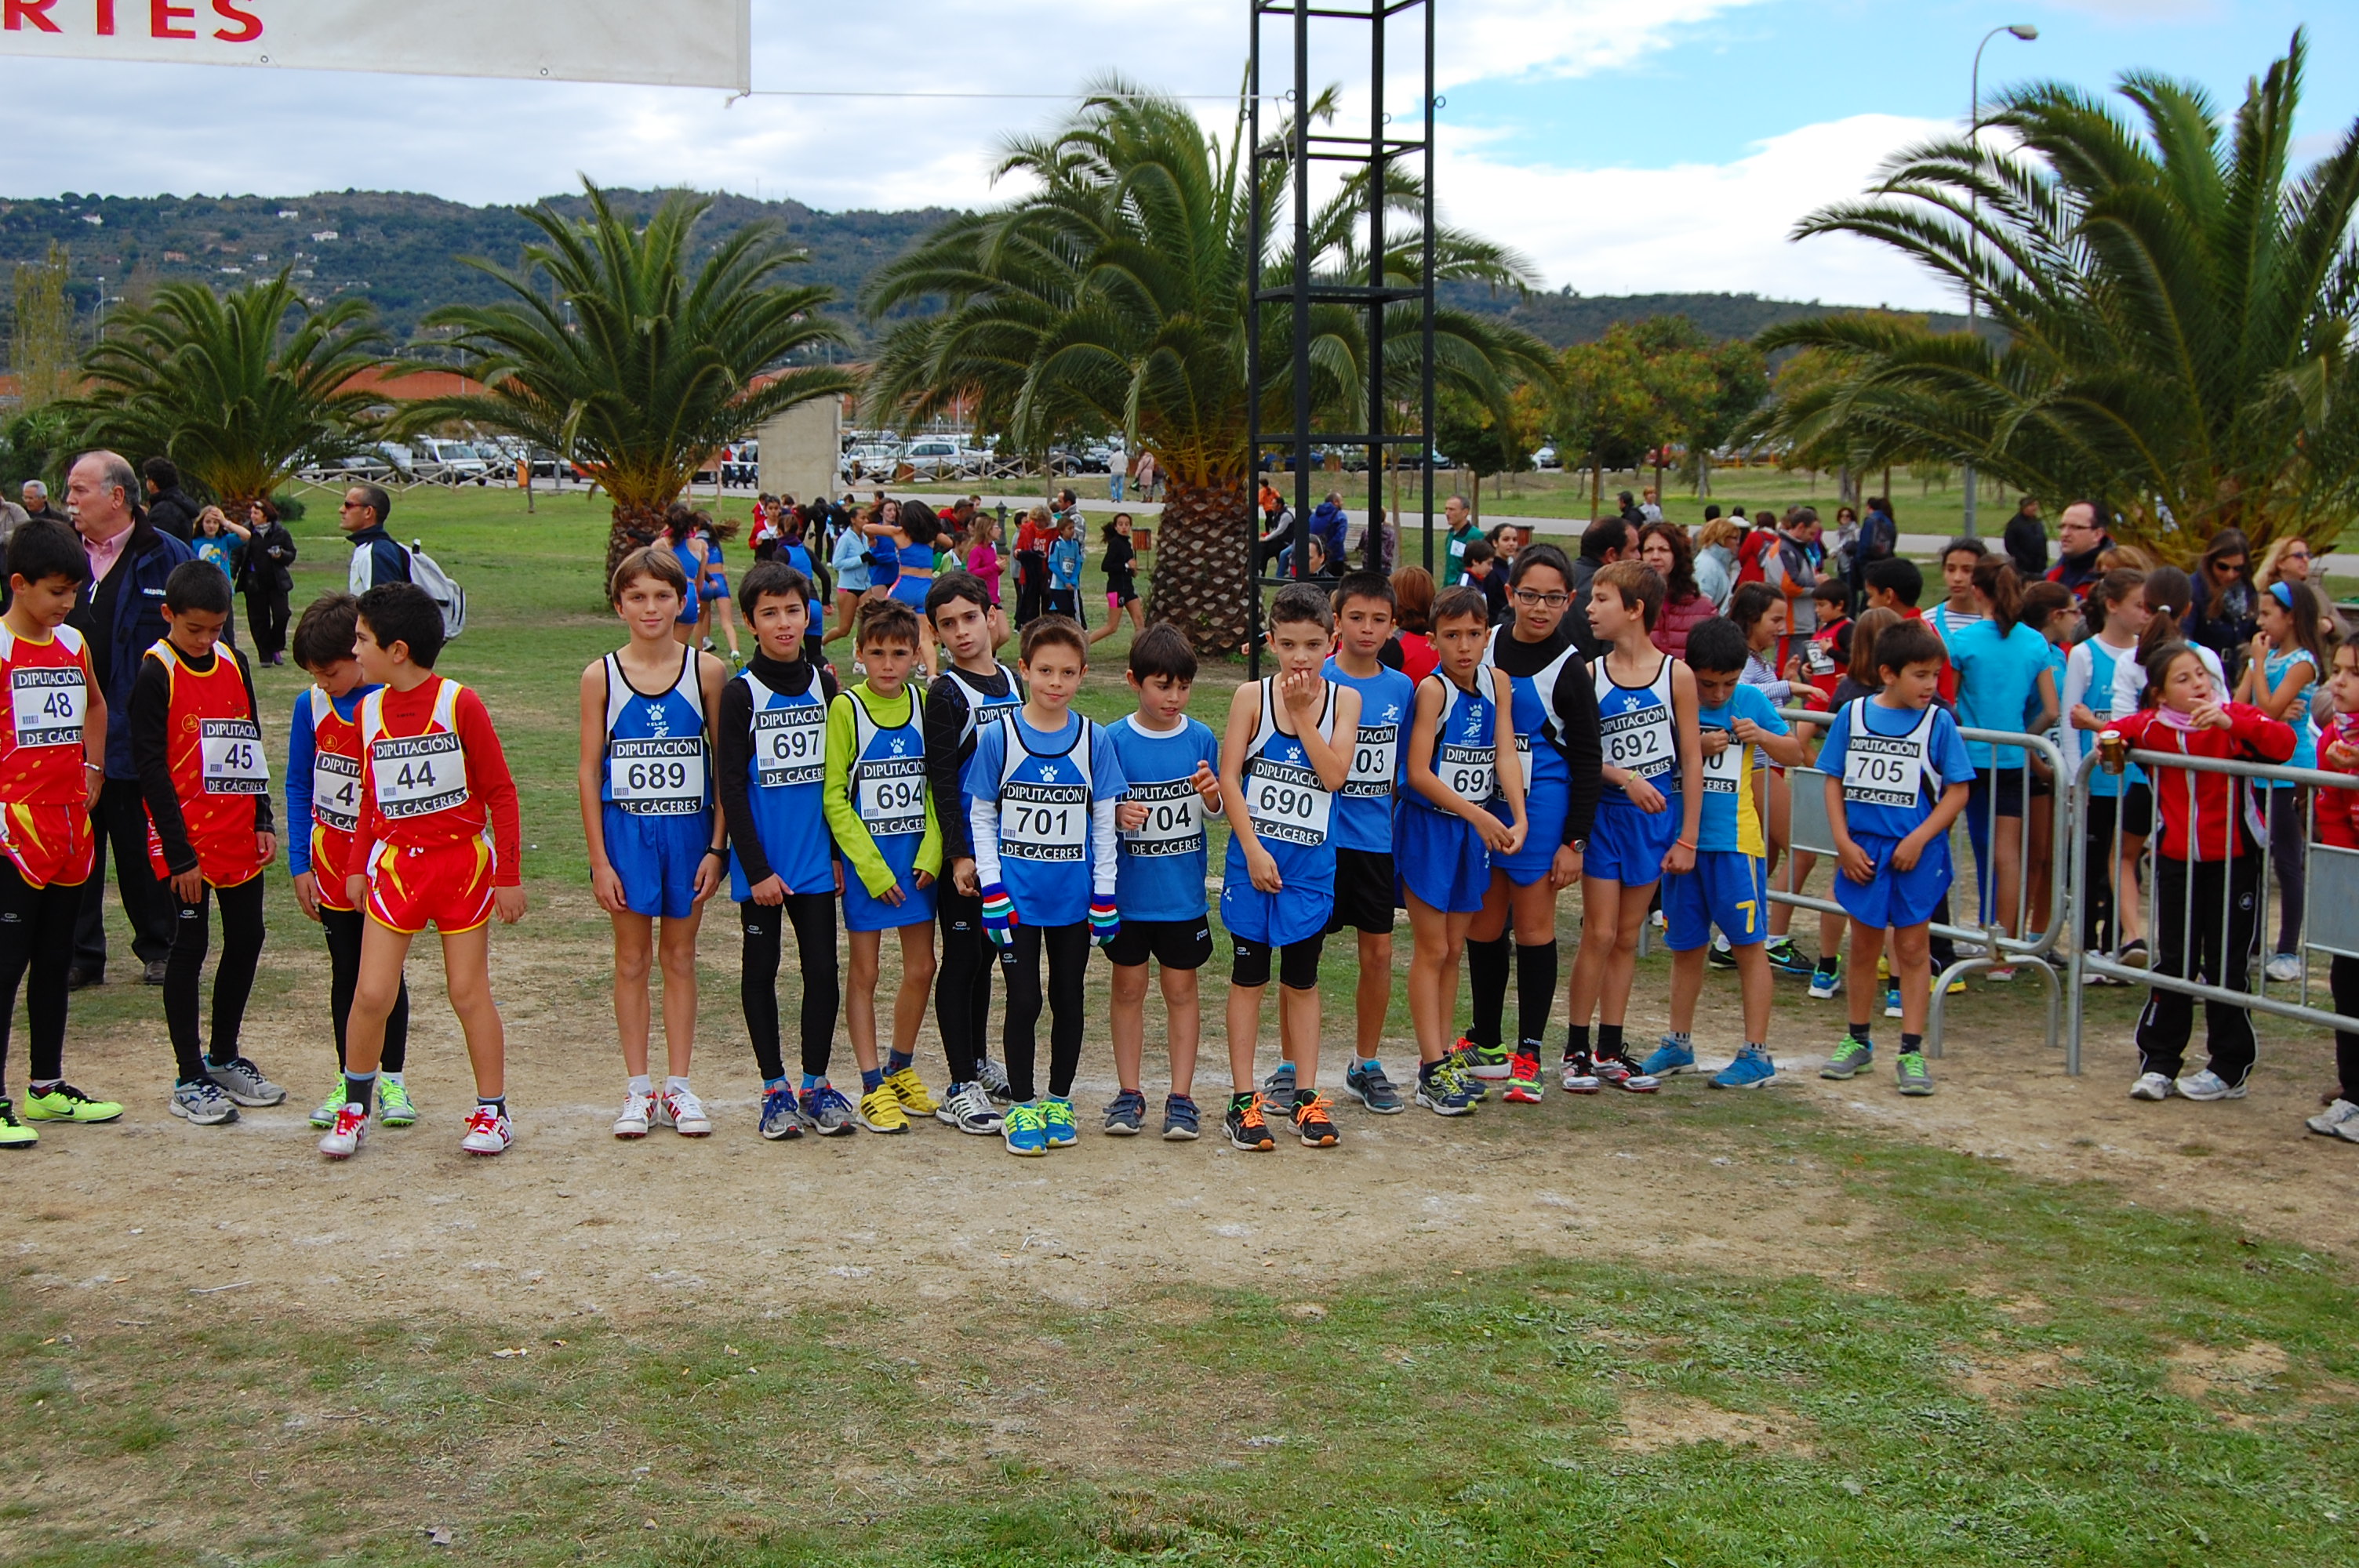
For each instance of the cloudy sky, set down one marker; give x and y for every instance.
(1624, 145)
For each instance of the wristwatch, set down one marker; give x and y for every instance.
(1579, 846)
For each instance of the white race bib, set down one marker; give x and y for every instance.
(1376, 763)
(1639, 743)
(336, 790)
(229, 752)
(1044, 822)
(46, 706)
(1882, 770)
(658, 777)
(891, 795)
(1471, 769)
(790, 745)
(417, 776)
(1288, 801)
(1175, 819)
(1723, 768)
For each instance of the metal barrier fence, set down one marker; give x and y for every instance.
(2329, 896)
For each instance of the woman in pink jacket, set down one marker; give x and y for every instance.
(1665, 547)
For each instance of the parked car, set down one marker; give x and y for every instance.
(939, 457)
(1546, 458)
(447, 461)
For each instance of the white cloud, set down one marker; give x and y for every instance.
(1701, 227)
(1496, 38)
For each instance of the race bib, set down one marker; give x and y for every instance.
(417, 776)
(789, 745)
(658, 777)
(1723, 767)
(891, 795)
(1819, 659)
(1639, 743)
(336, 790)
(1882, 771)
(1287, 802)
(1175, 819)
(46, 706)
(229, 751)
(1375, 764)
(1473, 771)
(1044, 822)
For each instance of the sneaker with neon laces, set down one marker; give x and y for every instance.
(680, 1110)
(1463, 1058)
(1489, 1062)
(1312, 1123)
(1672, 1056)
(1247, 1126)
(782, 1120)
(325, 1116)
(638, 1114)
(1057, 1121)
(968, 1108)
(1579, 1075)
(1182, 1122)
(1853, 1057)
(1752, 1069)
(63, 1102)
(880, 1111)
(1892, 1002)
(1786, 958)
(489, 1132)
(346, 1132)
(2208, 1085)
(242, 1082)
(1024, 1129)
(1365, 1081)
(994, 1079)
(1446, 1091)
(15, 1134)
(394, 1105)
(202, 1104)
(911, 1091)
(2153, 1086)
(830, 1113)
(1826, 980)
(1523, 1080)
(2339, 1119)
(1278, 1088)
(1626, 1075)
(1912, 1075)
(1125, 1115)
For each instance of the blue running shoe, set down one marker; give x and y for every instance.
(781, 1118)
(1125, 1115)
(1026, 1130)
(1365, 1081)
(1057, 1122)
(1669, 1057)
(1182, 1122)
(1892, 1002)
(1752, 1069)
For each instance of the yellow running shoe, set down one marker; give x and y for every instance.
(910, 1090)
(880, 1111)
(66, 1103)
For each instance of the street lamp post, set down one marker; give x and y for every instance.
(2027, 32)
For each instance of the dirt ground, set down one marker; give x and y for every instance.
(151, 1212)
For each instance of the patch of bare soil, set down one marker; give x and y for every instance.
(1656, 1419)
(2007, 1383)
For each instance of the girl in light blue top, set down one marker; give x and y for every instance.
(2004, 683)
(2290, 657)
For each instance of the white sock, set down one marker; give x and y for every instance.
(642, 1085)
(675, 1085)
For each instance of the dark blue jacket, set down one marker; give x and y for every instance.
(389, 562)
(148, 557)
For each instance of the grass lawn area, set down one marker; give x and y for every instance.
(1697, 1329)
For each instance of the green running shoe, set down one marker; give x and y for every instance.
(325, 1116)
(394, 1105)
(1852, 1058)
(1489, 1062)
(1915, 1077)
(15, 1134)
(66, 1103)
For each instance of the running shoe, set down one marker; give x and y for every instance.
(1579, 1076)
(242, 1082)
(1853, 1057)
(1445, 1091)
(2284, 966)
(1892, 1002)
(680, 1110)
(829, 1112)
(1671, 1056)
(1365, 1081)
(1787, 959)
(638, 1113)
(911, 1091)
(66, 1103)
(1624, 1074)
(1026, 1130)
(1463, 1058)
(1278, 1088)
(1752, 1069)
(202, 1103)
(2003, 974)
(1312, 1124)
(1248, 1127)
(346, 1133)
(781, 1119)
(1912, 1075)
(1125, 1115)
(2208, 1085)
(394, 1105)
(1523, 1080)
(2156, 1086)
(325, 1116)
(489, 1132)
(1181, 1119)
(15, 1134)
(880, 1111)
(1720, 956)
(1057, 1121)
(2339, 1119)
(2135, 952)
(1958, 986)
(1488, 1062)
(970, 1109)
(994, 1079)
(1826, 980)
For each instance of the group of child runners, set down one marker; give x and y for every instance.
(986, 824)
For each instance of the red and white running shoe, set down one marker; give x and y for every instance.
(1623, 1074)
(346, 1133)
(681, 1110)
(489, 1132)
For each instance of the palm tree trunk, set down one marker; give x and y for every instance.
(634, 526)
(1203, 569)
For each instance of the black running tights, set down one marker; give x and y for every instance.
(962, 985)
(1068, 964)
(36, 934)
(343, 927)
(813, 917)
(241, 911)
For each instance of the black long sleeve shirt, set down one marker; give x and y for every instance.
(151, 753)
(949, 743)
(734, 748)
(1576, 710)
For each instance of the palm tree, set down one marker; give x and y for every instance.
(240, 390)
(657, 364)
(1114, 297)
(2177, 310)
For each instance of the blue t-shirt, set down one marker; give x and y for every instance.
(850, 571)
(1998, 684)
(1730, 821)
(1161, 872)
(1890, 789)
(2305, 733)
(1363, 810)
(1047, 796)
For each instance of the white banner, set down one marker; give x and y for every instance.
(671, 43)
